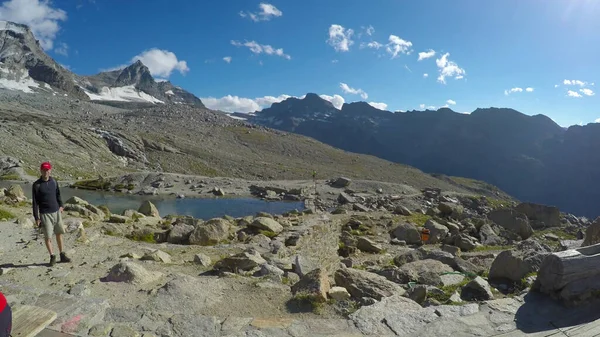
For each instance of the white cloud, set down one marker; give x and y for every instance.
(451, 102)
(340, 38)
(572, 93)
(267, 12)
(425, 75)
(422, 106)
(227, 59)
(597, 120)
(448, 69)
(426, 54)
(397, 46)
(529, 89)
(513, 90)
(121, 67)
(257, 48)
(231, 103)
(575, 82)
(337, 100)
(587, 92)
(42, 19)
(161, 62)
(372, 44)
(334, 61)
(62, 49)
(556, 85)
(241, 104)
(380, 106)
(370, 30)
(348, 90)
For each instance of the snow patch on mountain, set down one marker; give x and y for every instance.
(5, 25)
(23, 84)
(124, 94)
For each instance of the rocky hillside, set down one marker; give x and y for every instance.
(362, 269)
(530, 157)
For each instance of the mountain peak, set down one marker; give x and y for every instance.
(136, 74)
(15, 27)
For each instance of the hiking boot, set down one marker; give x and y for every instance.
(52, 260)
(64, 258)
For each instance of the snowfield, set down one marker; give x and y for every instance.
(123, 94)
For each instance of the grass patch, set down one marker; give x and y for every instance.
(10, 177)
(562, 235)
(268, 234)
(97, 184)
(449, 291)
(142, 237)
(418, 218)
(308, 300)
(491, 248)
(4, 214)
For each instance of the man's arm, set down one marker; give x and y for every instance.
(58, 198)
(36, 214)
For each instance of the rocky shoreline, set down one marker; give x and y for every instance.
(360, 268)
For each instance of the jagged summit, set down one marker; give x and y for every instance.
(135, 83)
(24, 66)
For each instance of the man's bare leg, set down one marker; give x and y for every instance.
(49, 246)
(59, 242)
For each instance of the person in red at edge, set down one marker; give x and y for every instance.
(47, 209)
(5, 317)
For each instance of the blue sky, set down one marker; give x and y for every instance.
(346, 50)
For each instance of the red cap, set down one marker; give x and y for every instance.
(46, 166)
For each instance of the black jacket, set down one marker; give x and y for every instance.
(46, 197)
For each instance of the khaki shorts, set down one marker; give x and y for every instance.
(52, 222)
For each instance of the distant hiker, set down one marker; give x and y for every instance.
(5, 317)
(47, 209)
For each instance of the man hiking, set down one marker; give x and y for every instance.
(47, 209)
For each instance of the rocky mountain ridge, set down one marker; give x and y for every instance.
(24, 66)
(530, 157)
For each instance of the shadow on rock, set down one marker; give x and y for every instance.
(540, 313)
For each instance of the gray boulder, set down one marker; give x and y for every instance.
(513, 221)
(368, 246)
(592, 234)
(130, 272)
(407, 232)
(266, 224)
(147, 208)
(361, 284)
(245, 261)
(180, 233)
(540, 216)
(202, 259)
(477, 290)
(488, 237)
(437, 232)
(210, 233)
(402, 210)
(514, 264)
(341, 182)
(315, 284)
(465, 242)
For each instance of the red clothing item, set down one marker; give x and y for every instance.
(2, 302)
